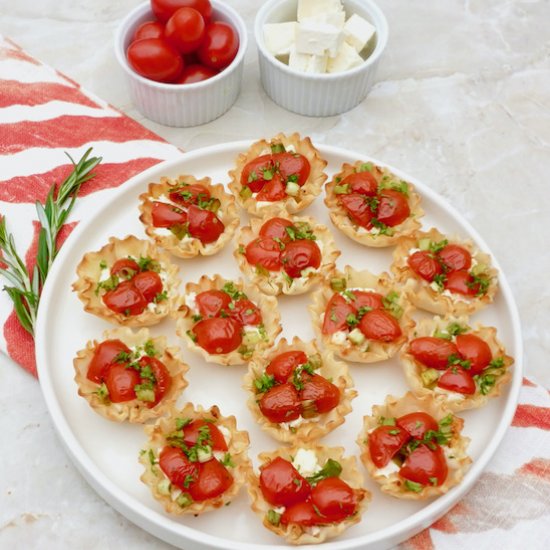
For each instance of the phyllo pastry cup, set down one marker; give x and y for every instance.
(384, 206)
(479, 279)
(446, 440)
(178, 195)
(310, 424)
(157, 386)
(249, 320)
(277, 280)
(166, 449)
(134, 306)
(349, 307)
(294, 194)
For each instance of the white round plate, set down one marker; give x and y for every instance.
(106, 453)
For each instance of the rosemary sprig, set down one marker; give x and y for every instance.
(25, 290)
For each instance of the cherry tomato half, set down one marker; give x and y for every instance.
(185, 30)
(178, 467)
(211, 302)
(432, 352)
(281, 403)
(334, 498)
(219, 45)
(380, 325)
(125, 268)
(218, 334)
(195, 73)
(163, 380)
(363, 183)
(253, 173)
(276, 229)
(191, 435)
(125, 299)
(186, 195)
(273, 190)
(369, 299)
(204, 224)
(455, 257)
(461, 282)
(302, 513)
(474, 349)
(336, 313)
(384, 443)
(298, 255)
(164, 9)
(166, 215)
(358, 209)
(457, 379)
(393, 208)
(246, 312)
(149, 284)
(282, 366)
(292, 164)
(281, 483)
(214, 480)
(121, 381)
(264, 252)
(426, 466)
(424, 265)
(416, 424)
(156, 59)
(318, 395)
(104, 354)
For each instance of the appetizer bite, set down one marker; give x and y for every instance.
(129, 376)
(308, 493)
(298, 393)
(360, 316)
(412, 447)
(448, 359)
(285, 254)
(128, 282)
(371, 205)
(225, 321)
(195, 460)
(450, 276)
(284, 174)
(189, 217)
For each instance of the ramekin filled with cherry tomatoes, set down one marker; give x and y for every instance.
(183, 59)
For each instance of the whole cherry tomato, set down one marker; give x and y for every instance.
(455, 257)
(299, 255)
(218, 334)
(369, 299)
(358, 209)
(211, 302)
(149, 29)
(125, 268)
(195, 73)
(424, 265)
(246, 312)
(166, 215)
(186, 195)
(380, 325)
(334, 498)
(191, 434)
(125, 299)
(276, 229)
(219, 45)
(393, 208)
(163, 380)
(204, 224)
(457, 379)
(461, 282)
(149, 284)
(416, 424)
(432, 352)
(302, 513)
(214, 480)
(273, 190)
(385, 442)
(156, 59)
(336, 313)
(363, 183)
(282, 366)
(104, 354)
(178, 468)
(121, 381)
(281, 483)
(318, 395)
(253, 173)
(292, 164)
(164, 9)
(264, 252)
(426, 466)
(185, 30)
(281, 403)
(474, 349)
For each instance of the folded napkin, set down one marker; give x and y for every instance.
(43, 113)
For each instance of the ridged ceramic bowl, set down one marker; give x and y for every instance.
(183, 105)
(317, 94)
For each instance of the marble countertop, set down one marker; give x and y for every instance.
(462, 102)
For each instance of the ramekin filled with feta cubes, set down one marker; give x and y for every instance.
(319, 57)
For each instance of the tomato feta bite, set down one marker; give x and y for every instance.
(129, 376)
(128, 282)
(189, 217)
(308, 493)
(413, 447)
(371, 205)
(297, 392)
(448, 359)
(195, 460)
(449, 275)
(285, 254)
(360, 316)
(283, 174)
(226, 321)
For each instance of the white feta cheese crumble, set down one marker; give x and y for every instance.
(390, 468)
(305, 461)
(104, 274)
(452, 396)
(452, 462)
(339, 337)
(307, 63)
(358, 31)
(190, 301)
(280, 37)
(346, 58)
(226, 432)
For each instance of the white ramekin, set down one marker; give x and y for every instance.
(183, 105)
(317, 94)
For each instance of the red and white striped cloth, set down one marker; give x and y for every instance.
(43, 114)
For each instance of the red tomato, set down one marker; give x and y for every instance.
(299, 255)
(276, 229)
(425, 466)
(187, 195)
(149, 29)
(281, 403)
(164, 9)
(162, 376)
(432, 352)
(219, 46)
(253, 173)
(318, 395)
(393, 208)
(455, 257)
(149, 284)
(385, 442)
(191, 434)
(273, 190)
(474, 349)
(367, 299)
(265, 252)
(214, 480)
(282, 366)
(121, 381)
(334, 498)
(104, 354)
(125, 268)
(166, 215)
(378, 324)
(281, 483)
(204, 225)
(218, 334)
(457, 379)
(358, 209)
(416, 424)
(424, 265)
(195, 73)
(246, 312)
(178, 467)
(363, 183)
(336, 313)
(185, 30)
(156, 59)
(461, 282)
(292, 164)
(302, 513)
(211, 302)
(125, 299)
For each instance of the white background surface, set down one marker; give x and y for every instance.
(462, 102)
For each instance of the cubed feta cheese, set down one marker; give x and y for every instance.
(279, 37)
(307, 64)
(339, 337)
(336, 19)
(318, 38)
(346, 58)
(358, 31)
(305, 461)
(311, 8)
